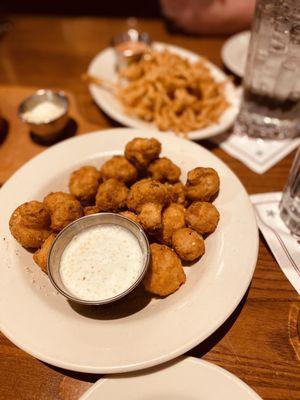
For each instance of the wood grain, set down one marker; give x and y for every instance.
(260, 341)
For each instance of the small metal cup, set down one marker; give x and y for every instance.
(126, 57)
(51, 127)
(81, 224)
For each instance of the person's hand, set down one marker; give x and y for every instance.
(209, 16)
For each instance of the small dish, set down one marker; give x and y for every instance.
(130, 46)
(80, 225)
(50, 126)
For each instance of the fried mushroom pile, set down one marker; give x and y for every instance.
(143, 187)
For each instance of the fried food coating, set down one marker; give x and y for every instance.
(146, 191)
(30, 224)
(164, 170)
(111, 195)
(141, 151)
(150, 217)
(84, 183)
(173, 218)
(176, 193)
(64, 208)
(188, 244)
(41, 255)
(119, 168)
(203, 217)
(130, 215)
(165, 273)
(202, 184)
(89, 210)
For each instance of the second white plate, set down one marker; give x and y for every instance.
(103, 65)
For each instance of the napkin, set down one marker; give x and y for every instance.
(284, 246)
(258, 154)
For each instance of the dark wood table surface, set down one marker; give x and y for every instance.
(260, 342)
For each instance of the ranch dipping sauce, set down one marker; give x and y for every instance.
(101, 262)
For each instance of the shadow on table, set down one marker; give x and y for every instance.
(69, 131)
(4, 128)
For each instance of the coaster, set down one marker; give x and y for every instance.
(258, 154)
(284, 246)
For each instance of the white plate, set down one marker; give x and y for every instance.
(234, 52)
(41, 322)
(184, 379)
(103, 65)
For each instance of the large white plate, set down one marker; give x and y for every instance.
(103, 65)
(134, 334)
(186, 378)
(234, 52)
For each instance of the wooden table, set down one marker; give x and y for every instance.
(259, 343)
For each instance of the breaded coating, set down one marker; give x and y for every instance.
(146, 191)
(64, 208)
(202, 184)
(141, 151)
(111, 195)
(165, 273)
(164, 170)
(41, 255)
(130, 215)
(150, 217)
(173, 218)
(119, 168)
(30, 224)
(89, 210)
(203, 217)
(84, 183)
(188, 244)
(176, 193)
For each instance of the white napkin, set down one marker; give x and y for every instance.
(285, 247)
(258, 154)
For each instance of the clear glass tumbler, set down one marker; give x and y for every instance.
(271, 100)
(290, 202)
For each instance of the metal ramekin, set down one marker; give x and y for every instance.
(50, 128)
(81, 224)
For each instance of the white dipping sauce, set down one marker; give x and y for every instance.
(43, 112)
(101, 262)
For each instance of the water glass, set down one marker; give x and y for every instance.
(271, 100)
(290, 202)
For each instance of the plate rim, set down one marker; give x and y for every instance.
(199, 362)
(224, 52)
(128, 121)
(187, 345)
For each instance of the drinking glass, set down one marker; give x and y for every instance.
(290, 202)
(271, 100)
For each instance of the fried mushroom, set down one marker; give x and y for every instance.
(64, 208)
(176, 193)
(164, 170)
(141, 151)
(173, 218)
(203, 217)
(111, 195)
(150, 217)
(119, 168)
(188, 244)
(30, 224)
(146, 191)
(40, 256)
(84, 183)
(130, 215)
(202, 184)
(89, 210)
(165, 273)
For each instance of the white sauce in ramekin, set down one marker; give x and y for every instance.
(101, 262)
